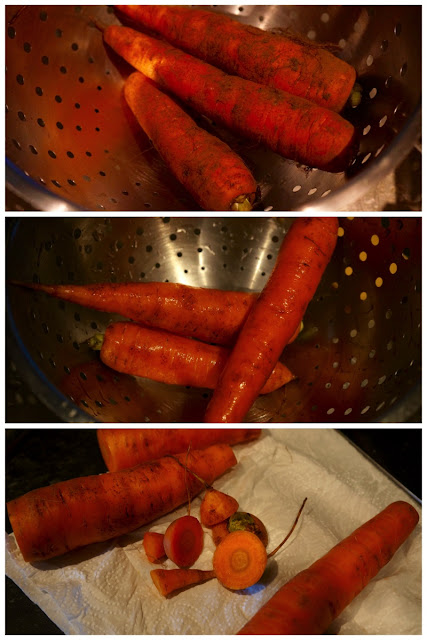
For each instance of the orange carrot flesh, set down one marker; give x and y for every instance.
(285, 62)
(50, 521)
(168, 581)
(153, 546)
(183, 541)
(216, 506)
(303, 257)
(316, 596)
(289, 125)
(125, 448)
(239, 560)
(216, 177)
(210, 315)
(164, 357)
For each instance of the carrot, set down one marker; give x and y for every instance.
(216, 506)
(50, 521)
(124, 448)
(216, 177)
(153, 546)
(316, 596)
(282, 61)
(130, 348)
(303, 257)
(240, 558)
(183, 541)
(210, 315)
(289, 125)
(169, 580)
(242, 521)
(219, 531)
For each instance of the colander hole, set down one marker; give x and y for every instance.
(330, 411)
(372, 353)
(56, 184)
(45, 328)
(365, 410)
(390, 345)
(324, 17)
(379, 282)
(21, 116)
(45, 60)
(342, 43)
(384, 45)
(347, 412)
(346, 385)
(335, 365)
(393, 268)
(39, 91)
(311, 35)
(326, 193)
(348, 271)
(373, 92)
(268, 209)
(27, 47)
(74, 46)
(369, 60)
(11, 32)
(353, 360)
(60, 338)
(58, 33)
(366, 158)
(378, 151)
(382, 379)
(20, 79)
(297, 188)
(371, 324)
(397, 29)
(388, 81)
(312, 192)
(58, 99)
(87, 178)
(67, 370)
(363, 296)
(388, 314)
(353, 333)
(335, 340)
(52, 154)
(83, 375)
(382, 121)
(261, 18)
(364, 383)
(375, 240)
(366, 130)
(63, 70)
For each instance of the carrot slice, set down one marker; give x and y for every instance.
(183, 541)
(153, 546)
(239, 560)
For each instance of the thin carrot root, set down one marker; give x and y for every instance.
(183, 541)
(169, 580)
(216, 506)
(239, 560)
(153, 546)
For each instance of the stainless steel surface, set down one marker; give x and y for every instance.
(357, 360)
(72, 143)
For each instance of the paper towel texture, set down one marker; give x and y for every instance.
(106, 588)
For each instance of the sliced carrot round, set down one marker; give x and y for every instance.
(239, 560)
(183, 541)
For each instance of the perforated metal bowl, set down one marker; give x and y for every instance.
(72, 143)
(358, 358)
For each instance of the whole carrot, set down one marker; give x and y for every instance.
(50, 521)
(289, 125)
(303, 257)
(282, 61)
(124, 448)
(210, 315)
(162, 356)
(309, 603)
(216, 177)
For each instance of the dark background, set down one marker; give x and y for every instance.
(38, 457)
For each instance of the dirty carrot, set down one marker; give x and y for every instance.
(216, 176)
(169, 580)
(183, 541)
(210, 315)
(289, 125)
(240, 558)
(243, 521)
(50, 521)
(309, 603)
(153, 546)
(284, 61)
(125, 448)
(216, 506)
(303, 257)
(165, 357)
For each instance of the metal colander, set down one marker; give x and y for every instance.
(72, 144)
(358, 358)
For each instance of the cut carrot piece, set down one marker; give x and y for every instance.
(183, 541)
(153, 546)
(216, 506)
(239, 560)
(169, 580)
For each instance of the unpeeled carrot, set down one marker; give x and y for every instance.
(153, 546)
(125, 448)
(210, 315)
(169, 580)
(216, 177)
(216, 507)
(289, 125)
(162, 356)
(309, 603)
(50, 521)
(282, 61)
(303, 257)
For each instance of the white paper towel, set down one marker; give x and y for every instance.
(106, 588)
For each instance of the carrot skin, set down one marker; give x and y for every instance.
(216, 507)
(216, 177)
(125, 448)
(303, 257)
(165, 357)
(289, 125)
(169, 580)
(310, 602)
(210, 315)
(50, 521)
(281, 61)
